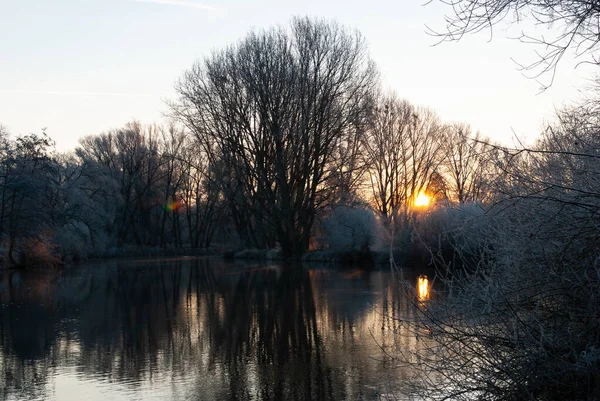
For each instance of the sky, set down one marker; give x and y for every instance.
(81, 67)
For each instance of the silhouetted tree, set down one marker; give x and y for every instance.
(30, 195)
(274, 110)
(403, 147)
(465, 166)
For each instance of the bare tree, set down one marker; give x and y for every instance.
(30, 195)
(131, 158)
(200, 193)
(465, 165)
(172, 145)
(403, 147)
(273, 109)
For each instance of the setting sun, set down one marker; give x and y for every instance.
(422, 200)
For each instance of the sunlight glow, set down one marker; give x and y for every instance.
(422, 200)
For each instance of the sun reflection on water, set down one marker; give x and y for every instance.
(423, 288)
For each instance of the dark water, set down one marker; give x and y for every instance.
(200, 329)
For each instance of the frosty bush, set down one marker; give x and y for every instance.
(445, 229)
(347, 228)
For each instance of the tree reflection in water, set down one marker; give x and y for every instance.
(199, 329)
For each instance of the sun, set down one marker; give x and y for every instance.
(422, 200)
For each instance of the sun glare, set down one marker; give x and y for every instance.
(422, 200)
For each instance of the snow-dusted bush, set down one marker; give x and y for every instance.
(347, 228)
(382, 235)
(447, 228)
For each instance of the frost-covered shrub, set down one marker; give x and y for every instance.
(381, 235)
(347, 228)
(443, 231)
(458, 226)
(522, 320)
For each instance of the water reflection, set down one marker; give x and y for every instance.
(423, 288)
(200, 329)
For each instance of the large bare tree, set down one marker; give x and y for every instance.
(274, 109)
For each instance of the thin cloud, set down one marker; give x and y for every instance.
(62, 93)
(182, 3)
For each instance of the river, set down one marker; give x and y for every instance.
(201, 329)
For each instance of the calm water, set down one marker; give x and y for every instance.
(200, 329)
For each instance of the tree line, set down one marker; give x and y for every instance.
(265, 138)
(136, 185)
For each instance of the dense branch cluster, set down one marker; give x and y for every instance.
(568, 25)
(521, 320)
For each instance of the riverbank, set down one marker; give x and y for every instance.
(338, 257)
(345, 257)
(155, 252)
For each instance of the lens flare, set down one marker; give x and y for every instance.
(173, 206)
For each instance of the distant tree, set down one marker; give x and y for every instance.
(404, 152)
(94, 194)
(201, 196)
(274, 111)
(172, 148)
(131, 158)
(76, 231)
(465, 165)
(30, 193)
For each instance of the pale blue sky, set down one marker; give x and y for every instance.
(80, 67)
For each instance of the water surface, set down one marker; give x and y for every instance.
(200, 329)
